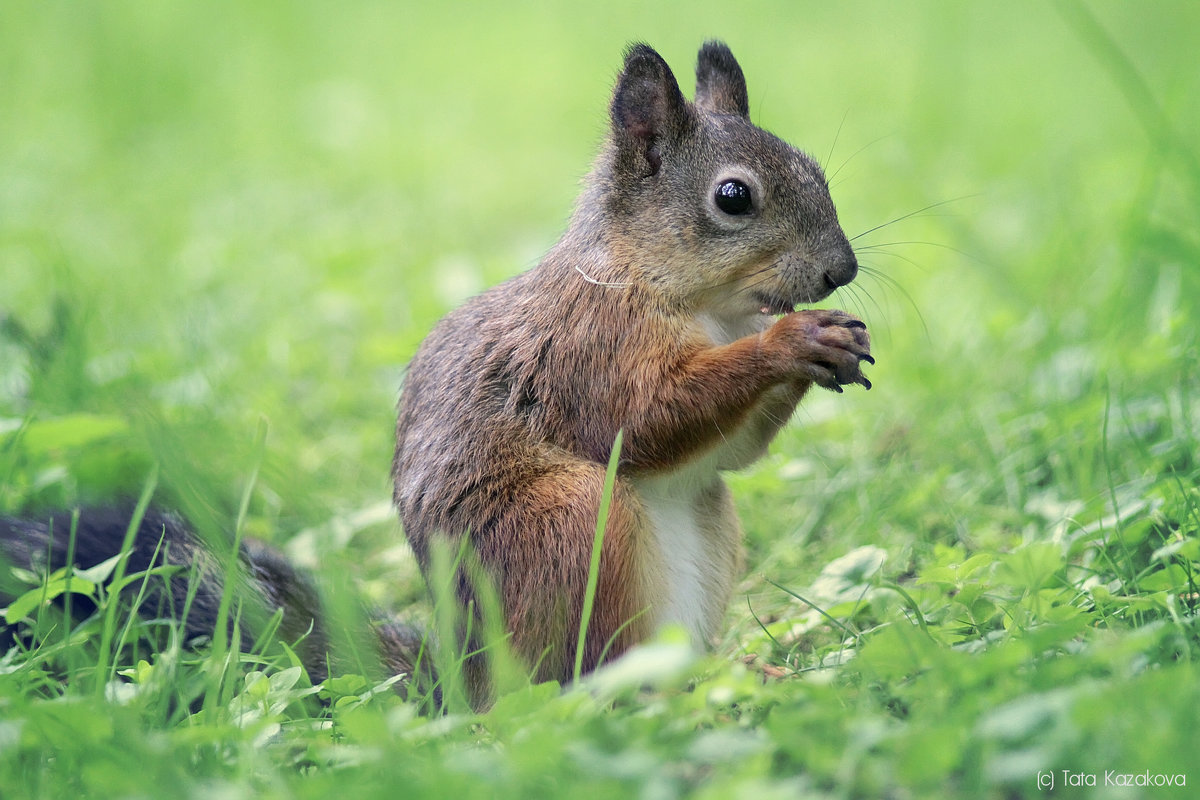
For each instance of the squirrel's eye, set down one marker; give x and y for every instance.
(733, 197)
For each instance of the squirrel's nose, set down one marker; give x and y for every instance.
(841, 269)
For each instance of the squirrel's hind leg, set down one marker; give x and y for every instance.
(540, 549)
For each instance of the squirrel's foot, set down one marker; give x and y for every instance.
(824, 346)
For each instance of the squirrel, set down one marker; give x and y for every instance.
(667, 312)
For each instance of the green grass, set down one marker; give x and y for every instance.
(227, 218)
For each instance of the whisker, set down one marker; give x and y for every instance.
(767, 272)
(889, 282)
(772, 417)
(871, 297)
(836, 135)
(900, 257)
(851, 295)
(755, 284)
(855, 154)
(879, 275)
(877, 248)
(754, 274)
(859, 289)
(911, 214)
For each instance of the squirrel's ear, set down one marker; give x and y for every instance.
(647, 108)
(720, 84)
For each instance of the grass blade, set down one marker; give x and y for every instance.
(589, 594)
(103, 671)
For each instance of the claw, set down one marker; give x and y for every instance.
(867, 358)
(855, 323)
(865, 383)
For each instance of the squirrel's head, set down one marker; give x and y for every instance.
(721, 213)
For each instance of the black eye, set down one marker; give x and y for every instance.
(733, 197)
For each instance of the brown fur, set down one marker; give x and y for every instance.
(644, 317)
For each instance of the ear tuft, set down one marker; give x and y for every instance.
(720, 84)
(647, 107)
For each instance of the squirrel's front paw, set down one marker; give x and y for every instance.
(824, 346)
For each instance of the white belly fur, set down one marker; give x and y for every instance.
(694, 529)
(698, 545)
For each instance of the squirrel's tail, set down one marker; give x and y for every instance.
(265, 583)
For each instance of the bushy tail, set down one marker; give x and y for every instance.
(264, 583)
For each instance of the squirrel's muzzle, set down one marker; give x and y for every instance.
(841, 266)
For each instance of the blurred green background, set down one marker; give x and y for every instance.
(215, 213)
